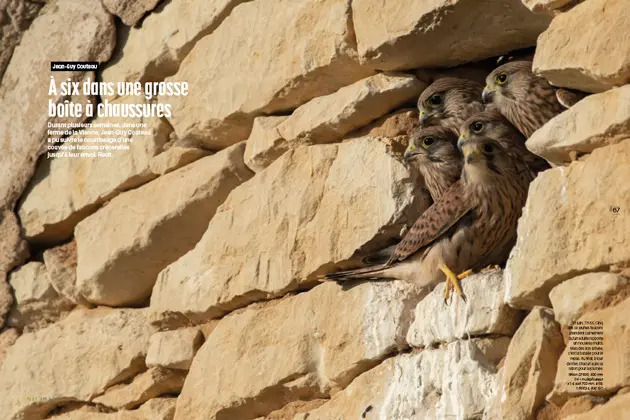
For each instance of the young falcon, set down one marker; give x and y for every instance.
(492, 124)
(526, 100)
(433, 152)
(449, 101)
(471, 226)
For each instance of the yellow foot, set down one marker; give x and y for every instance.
(452, 280)
(492, 267)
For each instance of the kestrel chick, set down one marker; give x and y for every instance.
(471, 226)
(433, 152)
(449, 101)
(491, 124)
(526, 100)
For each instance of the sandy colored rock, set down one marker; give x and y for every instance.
(74, 359)
(153, 383)
(7, 339)
(416, 387)
(573, 222)
(530, 364)
(155, 409)
(578, 405)
(596, 121)
(616, 408)
(306, 345)
(572, 298)
(174, 158)
(72, 30)
(291, 52)
(61, 264)
(129, 11)
(616, 359)
(155, 50)
(593, 59)
(315, 206)
(393, 130)
(265, 144)
(37, 303)
(546, 6)
(122, 247)
(484, 312)
(13, 252)
(492, 411)
(410, 34)
(65, 191)
(327, 119)
(174, 349)
(17, 17)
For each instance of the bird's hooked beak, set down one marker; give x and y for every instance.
(424, 116)
(465, 135)
(410, 153)
(487, 94)
(471, 153)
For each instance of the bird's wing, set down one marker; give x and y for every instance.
(569, 97)
(434, 222)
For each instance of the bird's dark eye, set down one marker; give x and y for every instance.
(501, 78)
(477, 127)
(488, 148)
(427, 141)
(435, 100)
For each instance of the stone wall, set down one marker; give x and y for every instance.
(179, 280)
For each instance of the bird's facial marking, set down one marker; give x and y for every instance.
(501, 78)
(477, 127)
(435, 101)
(427, 142)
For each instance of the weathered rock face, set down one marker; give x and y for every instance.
(17, 16)
(417, 386)
(293, 51)
(483, 313)
(546, 6)
(7, 339)
(561, 56)
(594, 122)
(174, 349)
(129, 11)
(315, 207)
(123, 246)
(71, 29)
(155, 409)
(341, 334)
(265, 143)
(530, 365)
(571, 224)
(616, 358)
(409, 34)
(74, 359)
(61, 264)
(37, 303)
(616, 408)
(64, 191)
(13, 252)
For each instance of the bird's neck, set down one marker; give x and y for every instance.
(439, 176)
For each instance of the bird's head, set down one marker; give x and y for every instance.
(511, 80)
(432, 145)
(445, 98)
(485, 159)
(491, 124)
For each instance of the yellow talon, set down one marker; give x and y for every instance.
(452, 280)
(490, 268)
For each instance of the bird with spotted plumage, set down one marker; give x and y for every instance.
(433, 152)
(471, 226)
(492, 124)
(448, 102)
(528, 101)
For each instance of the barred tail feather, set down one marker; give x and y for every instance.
(366, 273)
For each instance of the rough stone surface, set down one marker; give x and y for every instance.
(265, 144)
(546, 6)
(174, 158)
(596, 121)
(327, 118)
(315, 207)
(37, 303)
(174, 349)
(155, 50)
(574, 222)
(64, 191)
(155, 409)
(419, 386)
(410, 34)
(616, 408)
(484, 312)
(616, 329)
(74, 359)
(153, 383)
(130, 11)
(293, 51)
(282, 365)
(492, 410)
(17, 17)
(572, 298)
(13, 252)
(61, 264)
(123, 246)
(72, 30)
(7, 339)
(530, 365)
(593, 59)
